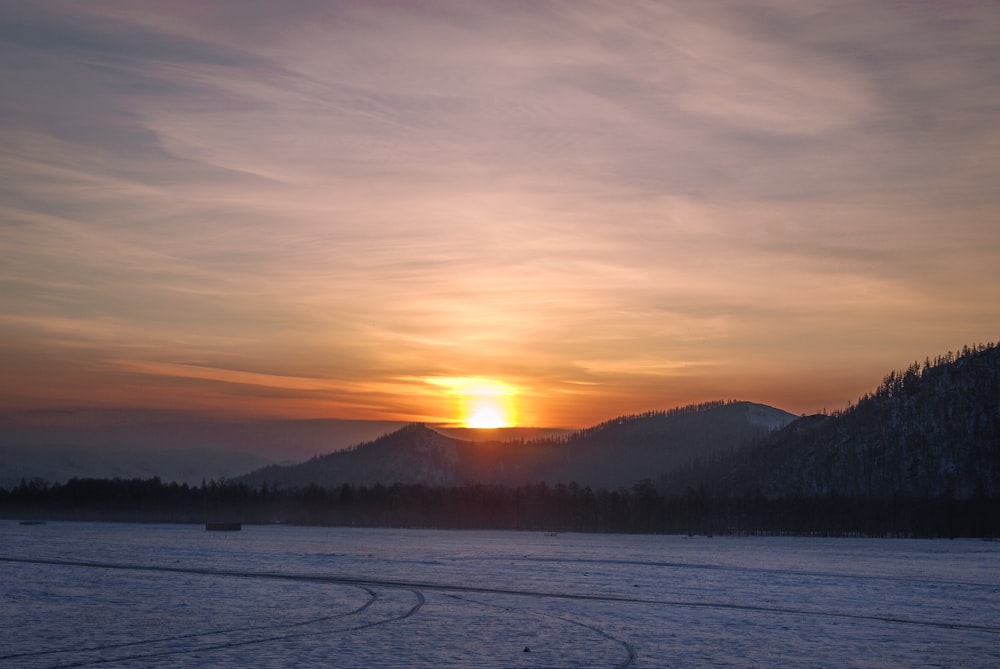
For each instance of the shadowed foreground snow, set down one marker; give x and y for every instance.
(81, 594)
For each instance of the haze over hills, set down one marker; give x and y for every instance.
(57, 446)
(616, 453)
(60, 463)
(501, 433)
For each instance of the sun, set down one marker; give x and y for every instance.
(481, 403)
(485, 417)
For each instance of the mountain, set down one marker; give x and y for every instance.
(617, 453)
(625, 450)
(932, 430)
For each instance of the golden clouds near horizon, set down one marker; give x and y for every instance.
(480, 402)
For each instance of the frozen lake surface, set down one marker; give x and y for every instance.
(116, 595)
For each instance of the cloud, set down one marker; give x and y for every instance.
(654, 198)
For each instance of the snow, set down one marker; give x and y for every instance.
(118, 595)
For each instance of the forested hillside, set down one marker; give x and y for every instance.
(625, 450)
(932, 430)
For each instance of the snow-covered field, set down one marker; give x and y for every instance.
(82, 594)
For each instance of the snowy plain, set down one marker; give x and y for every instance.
(120, 595)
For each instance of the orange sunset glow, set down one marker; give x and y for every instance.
(490, 214)
(480, 403)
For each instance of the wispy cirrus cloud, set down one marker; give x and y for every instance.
(642, 203)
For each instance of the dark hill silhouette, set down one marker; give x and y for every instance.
(930, 431)
(617, 453)
(625, 450)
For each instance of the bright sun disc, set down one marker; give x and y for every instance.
(480, 403)
(485, 418)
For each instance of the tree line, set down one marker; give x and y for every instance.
(642, 508)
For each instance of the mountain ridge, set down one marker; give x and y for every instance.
(616, 453)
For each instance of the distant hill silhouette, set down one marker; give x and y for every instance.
(930, 431)
(58, 463)
(622, 451)
(57, 446)
(501, 433)
(617, 453)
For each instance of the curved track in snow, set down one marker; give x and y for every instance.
(200, 642)
(372, 597)
(451, 588)
(629, 651)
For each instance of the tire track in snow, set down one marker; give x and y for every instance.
(630, 652)
(372, 597)
(444, 587)
(833, 575)
(421, 600)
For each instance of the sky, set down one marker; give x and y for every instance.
(537, 213)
